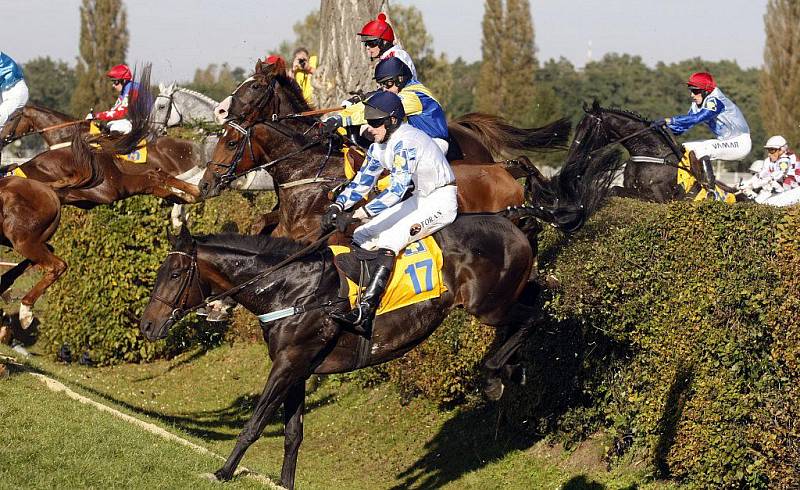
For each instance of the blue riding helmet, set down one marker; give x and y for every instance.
(393, 69)
(382, 105)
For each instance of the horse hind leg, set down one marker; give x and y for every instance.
(293, 409)
(11, 275)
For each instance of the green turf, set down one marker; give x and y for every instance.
(354, 437)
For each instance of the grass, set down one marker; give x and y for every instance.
(354, 437)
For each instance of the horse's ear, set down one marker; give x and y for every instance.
(185, 238)
(596, 106)
(161, 87)
(171, 87)
(585, 107)
(258, 66)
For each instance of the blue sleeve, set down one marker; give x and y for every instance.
(362, 182)
(403, 166)
(682, 123)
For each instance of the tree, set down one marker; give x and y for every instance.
(343, 64)
(216, 81)
(518, 63)
(103, 44)
(409, 27)
(490, 80)
(51, 83)
(780, 87)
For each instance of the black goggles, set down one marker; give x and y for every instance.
(376, 123)
(372, 43)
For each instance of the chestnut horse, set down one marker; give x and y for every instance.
(166, 159)
(304, 165)
(29, 215)
(487, 264)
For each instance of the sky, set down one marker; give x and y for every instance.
(178, 36)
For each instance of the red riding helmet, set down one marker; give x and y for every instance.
(378, 29)
(120, 72)
(703, 81)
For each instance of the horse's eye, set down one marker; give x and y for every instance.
(231, 144)
(161, 106)
(255, 86)
(175, 274)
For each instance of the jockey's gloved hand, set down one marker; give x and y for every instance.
(89, 116)
(331, 124)
(330, 217)
(659, 122)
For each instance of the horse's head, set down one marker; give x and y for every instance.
(18, 125)
(269, 91)
(238, 151)
(178, 287)
(165, 114)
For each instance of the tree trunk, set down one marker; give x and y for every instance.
(343, 63)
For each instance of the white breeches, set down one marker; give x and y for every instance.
(11, 99)
(409, 220)
(729, 149)
(120, 126)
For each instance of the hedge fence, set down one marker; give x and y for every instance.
(675, 330)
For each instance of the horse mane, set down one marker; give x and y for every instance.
(622, 112)
(197, 94)
(253, 244)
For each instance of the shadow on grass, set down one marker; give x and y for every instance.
(564, 362)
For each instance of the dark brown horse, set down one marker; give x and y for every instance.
(29, 215)
(111, 179)
(651, 173)
(305, 166)
(487, 263)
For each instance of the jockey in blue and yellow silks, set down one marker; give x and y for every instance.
(421, 108)
(13, 91)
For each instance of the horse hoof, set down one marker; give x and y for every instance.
(5, 335)
(222, 475)
(25, 316)
(494, 389)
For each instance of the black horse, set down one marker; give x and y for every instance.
(651, 174)
(487, 264)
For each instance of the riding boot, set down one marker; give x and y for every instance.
(361, 317)
(708, 172)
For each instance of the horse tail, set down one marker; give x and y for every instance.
(501, 138)
(574, 193)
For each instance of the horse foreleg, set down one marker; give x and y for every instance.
(266, 223)
(53, 268)
(178, 216)
(285, 373)
(293, 409)
(497, 364)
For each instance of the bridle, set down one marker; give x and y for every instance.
(659, 130)
(245, 145)
(190, 281)
(170, 105)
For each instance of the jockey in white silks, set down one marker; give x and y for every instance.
(13, 90)
(773, 175)
(117, 117)
(712, 107)
(417, 165)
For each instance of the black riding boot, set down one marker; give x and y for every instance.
(360, 317)
(708, 173)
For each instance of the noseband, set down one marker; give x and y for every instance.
(170, 105)
(191, 280)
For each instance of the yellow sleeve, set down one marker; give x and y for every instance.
(353, 115)
(411, 103)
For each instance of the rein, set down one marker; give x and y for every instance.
(659, 129)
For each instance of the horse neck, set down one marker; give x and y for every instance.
(193, 107)
(40, 119)
(648, 143)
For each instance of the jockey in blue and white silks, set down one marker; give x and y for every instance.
(13, 90)
(417, 165)
(712, 107)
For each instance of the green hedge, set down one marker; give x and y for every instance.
(675, 329)
(113, 254)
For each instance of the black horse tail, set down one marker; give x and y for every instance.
(503, 139)
(574, 193)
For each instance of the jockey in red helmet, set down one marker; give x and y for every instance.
(713, 108)
(378, 37)
(122, 81)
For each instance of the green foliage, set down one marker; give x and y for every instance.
(50, 82)
(114, 253)
(217, 81)
(103, 44)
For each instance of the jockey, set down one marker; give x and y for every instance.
(420, 106)
(378, 37)
(416, 164)
(773, 175)
(122, 81)
(13, 90)
(726, 121)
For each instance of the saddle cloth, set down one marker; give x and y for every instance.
(139, 155)
(417, 276)
(15, 172)
(687, 181)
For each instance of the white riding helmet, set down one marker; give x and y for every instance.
(776, 142)
(756, 166)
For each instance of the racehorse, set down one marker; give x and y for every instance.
(474, 137)
(30, 212)
(289, 149)
(652, 172)
(487, 263)
(85, 177)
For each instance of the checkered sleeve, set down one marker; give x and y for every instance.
(403, 166)
(362, 182)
